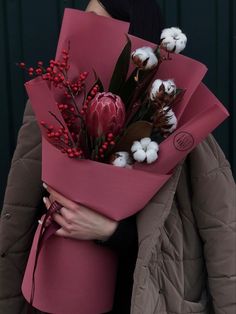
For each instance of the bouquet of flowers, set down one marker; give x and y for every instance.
(117, 114)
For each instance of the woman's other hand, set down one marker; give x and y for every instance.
(79, 222)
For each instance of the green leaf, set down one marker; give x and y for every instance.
(121, 69)
(157, 52)
(128, 89)
(179, 91)
(132, 91)
(178, 96)
(97, 82)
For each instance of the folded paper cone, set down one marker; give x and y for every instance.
(114, 192)
(76, 277)
(70, 272)
(202, 115)
(71, 277)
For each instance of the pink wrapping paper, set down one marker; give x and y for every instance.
(202, 115)
(78, 276)
(73, 277)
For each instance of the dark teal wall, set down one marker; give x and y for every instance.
(29, 31)
(211, 29)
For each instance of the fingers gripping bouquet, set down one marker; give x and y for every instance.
(117, 114)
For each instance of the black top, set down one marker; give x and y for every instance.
(125, 242)
(144, 16)
(118, 9)
(145, 22)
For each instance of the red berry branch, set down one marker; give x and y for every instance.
(104, 147)
(67, 139)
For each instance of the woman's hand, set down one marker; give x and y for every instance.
(79, 222)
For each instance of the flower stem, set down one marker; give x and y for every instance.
(54, 116)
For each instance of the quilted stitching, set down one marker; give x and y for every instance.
(176, 263)
(168, 265)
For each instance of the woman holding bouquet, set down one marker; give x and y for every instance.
(176, 256)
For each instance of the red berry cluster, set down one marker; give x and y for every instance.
(74, 152)
(33, 71)
(68, 139)
(57, 134)
(74, 88)
(60, 138)
(90, 96)
(57, 70)
(106, 145)
(68, 113)
(57, 74)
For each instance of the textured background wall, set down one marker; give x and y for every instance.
(29, 31)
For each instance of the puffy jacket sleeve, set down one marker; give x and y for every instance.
(214, 205)
(18, 217)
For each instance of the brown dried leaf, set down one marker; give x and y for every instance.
(135, 132)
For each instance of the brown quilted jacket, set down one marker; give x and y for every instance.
(187, 233)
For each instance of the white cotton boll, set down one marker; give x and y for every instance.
(139, 155)
(172, 120)
(152, 62)
(145, 142)
(122, 160)
(176, 31)
(173, 39)
(124, 155)
(181, 43)
(148, 151)
(169, 43)
(166, 32)
(144, 58)
(136, 146)
(151, 156)
(171, 32)
(153, 146)
(155, 89)
(170, 115)
(148, 50)
(170, 86)
(144, 52)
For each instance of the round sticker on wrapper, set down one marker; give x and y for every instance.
(183, 141)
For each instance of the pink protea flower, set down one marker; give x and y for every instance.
(106, 114)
